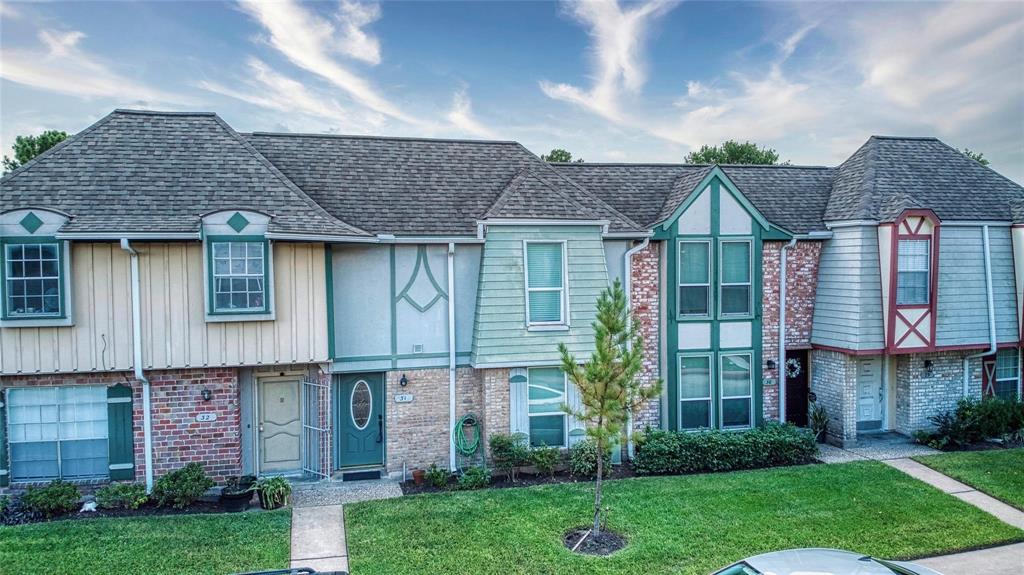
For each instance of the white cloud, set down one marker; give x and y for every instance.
(310, 42)
(617, 37)
(62, 66)
(354, 42)
(461, 116)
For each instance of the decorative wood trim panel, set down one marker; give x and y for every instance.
(910, 328)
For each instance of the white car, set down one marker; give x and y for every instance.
(821, 562)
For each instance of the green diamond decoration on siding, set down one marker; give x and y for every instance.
(31, 222)
(238, 222)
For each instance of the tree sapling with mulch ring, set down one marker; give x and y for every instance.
(588, 542)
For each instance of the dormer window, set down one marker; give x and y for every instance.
(913, 272)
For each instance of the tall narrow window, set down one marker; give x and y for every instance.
(912, 278)
(1007, 384)
(32, 280)
(545, 283)
(545, 397)
(239, 276)
(695, 392)
(695, 279)
(735, 281)
(737, 398)
(58, 432)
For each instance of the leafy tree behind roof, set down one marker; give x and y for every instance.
(976, 156)
(733, 152)
(27, 147)
(559, 155)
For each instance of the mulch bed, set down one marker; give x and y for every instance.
(15, 515)
(603, 544)
(501, 481)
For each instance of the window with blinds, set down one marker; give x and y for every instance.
(913, 271)
(695, 278)
(1007, 375)
(735, 284)
(545, 396)
(545, 283)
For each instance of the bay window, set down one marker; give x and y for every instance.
(913, 272)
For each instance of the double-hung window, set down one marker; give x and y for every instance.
(239, 276)
(695, 391)
(735, 287)
(695, 278)
(57, 432)
(32, 282)
(545, 283)
(546, 393)
(913, 270)
(736, 390)
(1007, 376)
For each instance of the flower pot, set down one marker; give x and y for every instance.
(418, 476)
(234, 502)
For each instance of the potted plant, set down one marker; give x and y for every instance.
(418, 475)
(236, 494)
(273, 491)
(818, 419)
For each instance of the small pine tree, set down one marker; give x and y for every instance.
(609, 389)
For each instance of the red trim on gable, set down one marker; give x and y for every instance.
(936, 349)
(903, 231)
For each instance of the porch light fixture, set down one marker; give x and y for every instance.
(929, 367)
(770, 364)
(404, 381)
(206, 394)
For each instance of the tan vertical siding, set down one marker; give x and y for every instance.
(174, 327)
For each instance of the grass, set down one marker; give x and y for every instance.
(999, 473)
(171, 545)
(688, 524)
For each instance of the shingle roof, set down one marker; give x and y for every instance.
(159, 172)
(416, 186)
(889, 174)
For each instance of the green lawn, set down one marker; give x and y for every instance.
(171, 545)
(1000, 473)
(688, 524)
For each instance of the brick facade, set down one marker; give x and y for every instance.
(801, 283)
(834, 382)
(645, 298)
(923, 392)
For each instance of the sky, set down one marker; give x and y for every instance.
(609, 81)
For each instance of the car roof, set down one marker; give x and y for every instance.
(815, 561)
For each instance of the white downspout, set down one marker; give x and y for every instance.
(991, 315)
(782, 329)
(451, 356)
(147, 419)
(628, 287)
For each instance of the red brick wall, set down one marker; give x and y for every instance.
(646, 302)
(801, 282)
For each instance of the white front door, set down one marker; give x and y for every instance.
(869, 393)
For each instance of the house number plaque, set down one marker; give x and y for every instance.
(206, 417)
(403, 398)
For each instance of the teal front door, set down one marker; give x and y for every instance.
(359, 419)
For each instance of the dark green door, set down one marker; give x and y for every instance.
(359, 419)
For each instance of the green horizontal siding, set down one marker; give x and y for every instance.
(500, 335)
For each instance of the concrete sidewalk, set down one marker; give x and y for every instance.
(318, 538)
(962, 491)
(1005, 560)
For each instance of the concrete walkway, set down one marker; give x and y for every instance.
(1005, 560)
(964, 492)
(318, 538)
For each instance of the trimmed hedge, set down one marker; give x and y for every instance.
(675, 452)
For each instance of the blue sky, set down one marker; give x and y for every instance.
(642, 81)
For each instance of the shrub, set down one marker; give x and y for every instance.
(973, 421)
(273, 491)
(5, 503)
(671, 452)
(509, 452)
(56, 498)
(181, 487)
(121, 496)
(818, 419)
(545, 459)
(436, 476)
(474, 478)
(583, 459)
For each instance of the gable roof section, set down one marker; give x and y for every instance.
(159, 172)
(888, 175)
(530, 195)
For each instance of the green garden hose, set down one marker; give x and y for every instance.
(465, 446)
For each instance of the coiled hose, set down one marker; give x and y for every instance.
(465, 446)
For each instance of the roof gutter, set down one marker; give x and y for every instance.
(991, 314)
(628, 257)
(155, 236)
(147, 419)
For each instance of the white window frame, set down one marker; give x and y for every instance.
(750, 387)
(565, 416)
(750, 277)
(927, 270)
(563, 322)
(711, 391)
(211, 313)
(998, 380)
(680, 284)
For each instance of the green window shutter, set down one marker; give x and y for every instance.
(121, 444)
(5, 471)
(545, 265)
